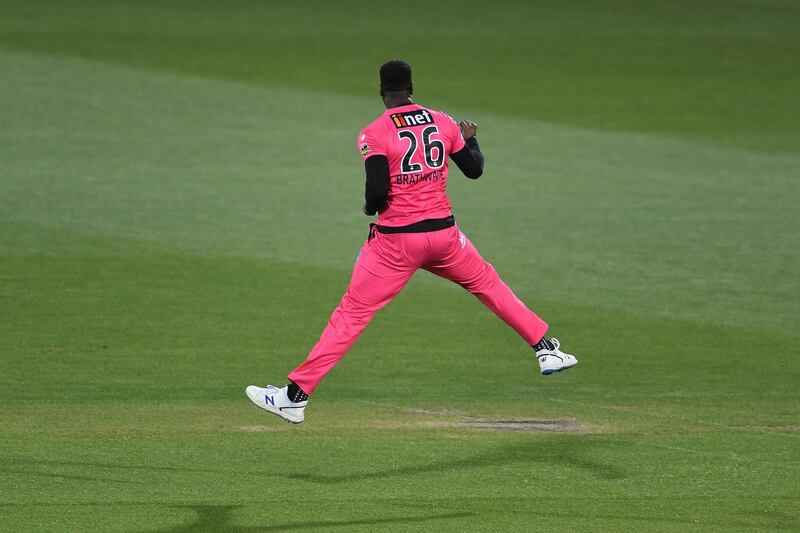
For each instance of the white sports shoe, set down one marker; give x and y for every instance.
(554, 360)
(277, 402)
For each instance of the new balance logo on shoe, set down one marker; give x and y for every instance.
(277, 402)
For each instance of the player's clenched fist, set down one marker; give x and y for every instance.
(468, 129)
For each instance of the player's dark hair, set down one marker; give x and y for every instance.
(395, 76)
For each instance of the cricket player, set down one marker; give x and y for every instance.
(405, 153)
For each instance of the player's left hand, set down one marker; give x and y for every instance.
(468, 129)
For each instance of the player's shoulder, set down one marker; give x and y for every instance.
(372, 138)
(437, 113)
(377, 125)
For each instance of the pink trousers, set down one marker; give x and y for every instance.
(384, 266)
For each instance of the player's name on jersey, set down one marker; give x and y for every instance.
(412, 118)
(411, 179)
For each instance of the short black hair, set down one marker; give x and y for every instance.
(395, 76)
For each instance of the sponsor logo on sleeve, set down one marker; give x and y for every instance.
(365, 150)
(411, 118)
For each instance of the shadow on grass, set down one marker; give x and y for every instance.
(220, 517)
(559, 453)
(569, 453)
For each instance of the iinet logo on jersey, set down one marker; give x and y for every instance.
(417, 117)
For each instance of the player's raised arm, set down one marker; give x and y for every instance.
(376, 192)
(469, 159)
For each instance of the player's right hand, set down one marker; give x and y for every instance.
(468, 129)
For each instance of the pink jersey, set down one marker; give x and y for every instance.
(417, 142)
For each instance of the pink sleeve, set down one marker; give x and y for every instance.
(456, 137)
(369, 143)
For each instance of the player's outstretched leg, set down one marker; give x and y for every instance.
(378, 276)
(459, 261)
(381, 271)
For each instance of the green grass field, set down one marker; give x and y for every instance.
(180, 209)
